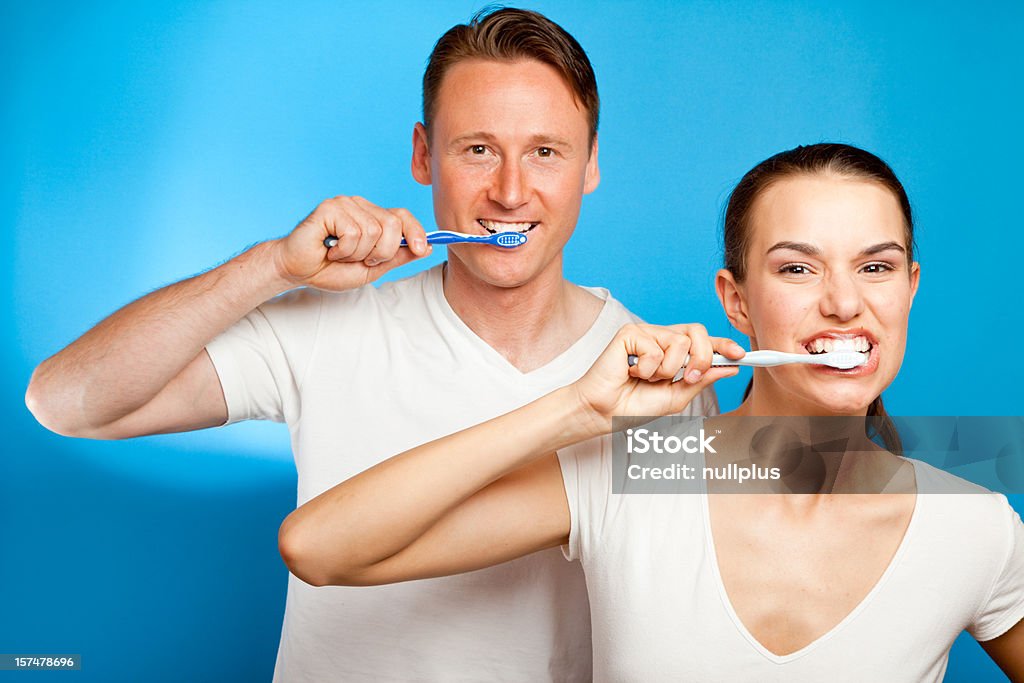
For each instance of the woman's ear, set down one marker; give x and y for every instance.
(915, 279)
(420, 155)
(731, 297)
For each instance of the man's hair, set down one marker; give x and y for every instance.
(509, 35)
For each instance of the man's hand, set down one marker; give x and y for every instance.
(368, 245)
(613, 388)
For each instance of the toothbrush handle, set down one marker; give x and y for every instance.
(435, 237)
(758, 359)
(449, 237)
(717, 360)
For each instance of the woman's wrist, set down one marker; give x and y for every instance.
(582, 420)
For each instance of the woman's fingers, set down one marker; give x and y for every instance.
(727, 347)
(681, 347)
(683, 393)
(701, 351)
(645, 346)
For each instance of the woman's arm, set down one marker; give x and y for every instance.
(490, 493)
(1008, 652)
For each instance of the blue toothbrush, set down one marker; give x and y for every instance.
(509, 240)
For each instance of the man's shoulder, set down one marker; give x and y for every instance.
(613, 308)
(410, 290)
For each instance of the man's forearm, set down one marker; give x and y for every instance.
(123, 362)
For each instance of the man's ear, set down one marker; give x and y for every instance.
(420, 155)
(733, 303)
(593, 177)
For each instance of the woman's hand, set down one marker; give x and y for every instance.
(612, 387)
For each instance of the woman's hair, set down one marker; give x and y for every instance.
(844, 161)
(509, 35)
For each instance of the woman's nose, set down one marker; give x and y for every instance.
(841, 297)
(509, 187)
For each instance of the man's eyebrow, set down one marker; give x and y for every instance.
(474, 136)
(538, 139)
(811, 250)
(551, 140)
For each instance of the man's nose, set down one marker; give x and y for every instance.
(509, 187)
(842, 297)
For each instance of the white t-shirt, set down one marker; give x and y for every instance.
(660, 611)
(366, 374)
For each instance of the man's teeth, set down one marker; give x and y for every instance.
(828, 344)
(498, 226)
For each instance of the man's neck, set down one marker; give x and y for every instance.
(529, 325)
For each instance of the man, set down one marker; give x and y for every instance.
(508, 142)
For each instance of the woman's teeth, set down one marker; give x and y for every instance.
(827, 345)
(497, 226)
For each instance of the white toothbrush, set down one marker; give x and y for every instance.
(843, 360)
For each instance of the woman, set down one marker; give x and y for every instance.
(819, 254)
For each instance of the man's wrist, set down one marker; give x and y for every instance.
(248, 280)
(262, 265)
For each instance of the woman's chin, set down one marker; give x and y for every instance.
(844, 403)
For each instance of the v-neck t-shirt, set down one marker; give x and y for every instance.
(360, 376)
(660, 611)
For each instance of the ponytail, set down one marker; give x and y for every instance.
(884, 427)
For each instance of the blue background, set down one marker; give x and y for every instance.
(145, 142)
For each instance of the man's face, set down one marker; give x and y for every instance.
(509, 149)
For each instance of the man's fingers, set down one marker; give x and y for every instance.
(401, 257)
(415, 235)
(372, 221)
(338, 223)
(343, 218)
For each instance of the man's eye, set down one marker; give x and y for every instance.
(478, 149)
(545, 152)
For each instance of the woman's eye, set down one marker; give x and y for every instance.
(795, 269)
(875, 268)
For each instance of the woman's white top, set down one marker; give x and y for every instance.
(660, 612)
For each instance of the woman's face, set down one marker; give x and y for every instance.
(827, 270)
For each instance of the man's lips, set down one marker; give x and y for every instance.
(494, 227)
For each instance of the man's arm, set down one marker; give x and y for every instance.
(144, 370)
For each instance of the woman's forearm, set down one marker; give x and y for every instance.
(338, 536)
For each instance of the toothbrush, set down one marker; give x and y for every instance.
(843, 360)
(509, 240)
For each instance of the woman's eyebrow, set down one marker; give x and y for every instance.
(883, 246)
(802, 247)
(811, 250)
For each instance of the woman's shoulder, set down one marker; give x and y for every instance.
(963, 503)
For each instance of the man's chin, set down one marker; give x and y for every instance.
(496, 270)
